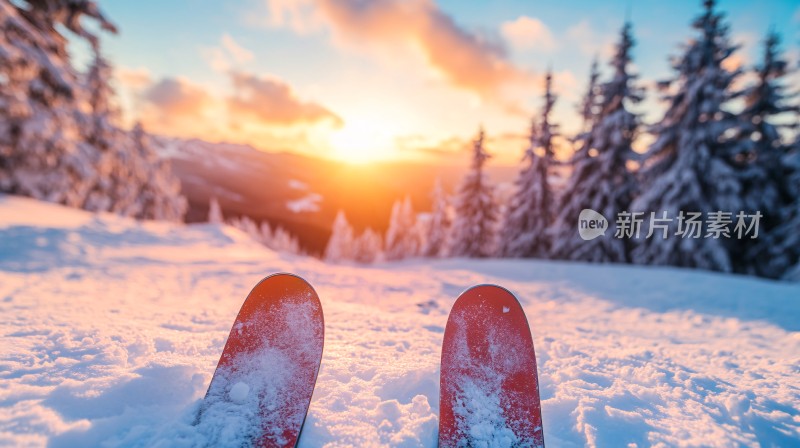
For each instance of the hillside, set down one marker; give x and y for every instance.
(111, 330)
(303, 193)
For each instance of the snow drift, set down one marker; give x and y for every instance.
(111, 330)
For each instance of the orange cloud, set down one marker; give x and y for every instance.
(272, 101)
(176, 107)
(262, 111)
(135, 78)
(465, 59)
(177, 97)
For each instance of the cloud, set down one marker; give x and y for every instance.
(261, 111)
(177, 97)
(239, 53)
(272, 101)
(227, 54)
(133, 78)
(176, 107)
(505, 148)
(589, 42)
(258, 108)
(565, 85)
(301, 16)
(465, 59)
(432, 147)
(528, 33)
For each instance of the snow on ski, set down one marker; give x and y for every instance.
(263, 383)
(489, 391)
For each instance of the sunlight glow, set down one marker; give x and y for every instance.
(363, 141)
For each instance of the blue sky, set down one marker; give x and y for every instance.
(357, 83)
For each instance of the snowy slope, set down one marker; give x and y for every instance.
(111, 331)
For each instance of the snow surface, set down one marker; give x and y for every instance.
(111, 330)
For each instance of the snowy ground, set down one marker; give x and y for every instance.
(111, 331)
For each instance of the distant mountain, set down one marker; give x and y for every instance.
(303, 193)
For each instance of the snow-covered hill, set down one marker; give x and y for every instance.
(302, 194)
(111, 330)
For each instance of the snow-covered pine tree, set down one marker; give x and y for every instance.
(131, 179)
(279, 240)
(367, 247)
(394, 249)
(588, 106)
(282, 241)
(51, 147)
(159, 190)
(267, 235)
(473, 230)
(766, 178)
(215, 213)
(600, 179)
(687, 167)
(131, 176)
(402, 236)
(340, 244)
(113, 147)
(530, 210)
(786, 236)
(439, 225)
(248, 226)
(777, 252)
(41, 152)
(765, 103)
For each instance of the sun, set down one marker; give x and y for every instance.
(362, 141)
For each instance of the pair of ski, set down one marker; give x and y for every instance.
(262, 387)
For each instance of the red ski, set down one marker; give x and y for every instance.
(262, 387)
(489, 388)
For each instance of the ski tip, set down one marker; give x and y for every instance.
(490, 295)
(490, 292)
(489, 287)
(284, 275)
(286, 278)
(289, 282)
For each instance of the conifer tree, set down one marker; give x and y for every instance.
(530, 210)
(58, 138)
(776, 253)
(402, 236)
(281, 240)
(41, 152)
(215, 213)
(588, 105)
(688, 166)
(247, 225)
(600, 179)
(439, 226)
(157, 190)
(767, 173)
(367, 247)
(473, 230)
(340, 244)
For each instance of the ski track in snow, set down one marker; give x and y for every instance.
(112, 329)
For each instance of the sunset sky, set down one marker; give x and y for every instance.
(361, 80)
